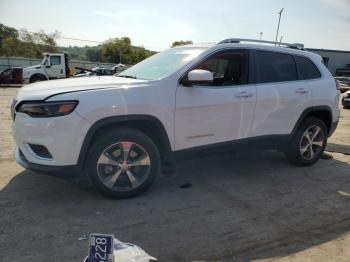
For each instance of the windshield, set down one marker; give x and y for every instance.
(162, 64)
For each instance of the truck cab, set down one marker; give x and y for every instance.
(53, 66)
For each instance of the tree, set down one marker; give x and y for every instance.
(117, 50)
(6, 32)
(93, 54)
(12, 46)
(120, 50)
(40, 42)
(179, 43)
(26, 44)
(140, 53)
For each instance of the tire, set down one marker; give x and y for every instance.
(116, 176)
(298, 151)
(37, 79)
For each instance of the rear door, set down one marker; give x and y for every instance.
(223, 111)
(281, 98)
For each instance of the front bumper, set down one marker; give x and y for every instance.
(62, 137)
(21, 160)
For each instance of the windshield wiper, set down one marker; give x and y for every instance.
(126, 76)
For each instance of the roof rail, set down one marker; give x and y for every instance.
(238, 40)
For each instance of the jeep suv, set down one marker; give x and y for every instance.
(121, 129)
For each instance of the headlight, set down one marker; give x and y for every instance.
(47, 109)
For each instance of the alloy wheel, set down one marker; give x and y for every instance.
(311, 142)
(123, 166)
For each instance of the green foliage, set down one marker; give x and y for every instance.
(25, 44)
(94, 54)
(39, 42)
(7, 32)
(120, 50)
(117, 50)
(179, 43)
(80, 53)
(12, 46)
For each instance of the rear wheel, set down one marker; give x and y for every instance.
(123, 163)
(308, 143)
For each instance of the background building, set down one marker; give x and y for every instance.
(337, 61)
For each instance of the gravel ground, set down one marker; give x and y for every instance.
(249, 207)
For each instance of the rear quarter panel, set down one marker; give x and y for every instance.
(324, 90)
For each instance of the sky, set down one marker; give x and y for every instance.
(156, 24)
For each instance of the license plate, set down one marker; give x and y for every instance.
(101, 248)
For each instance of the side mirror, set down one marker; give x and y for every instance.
(198, 76)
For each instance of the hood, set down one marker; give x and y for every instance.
(44, 89)
(28, 68)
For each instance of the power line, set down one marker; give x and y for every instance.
(89, 40)
(78, 39)
(71, 38)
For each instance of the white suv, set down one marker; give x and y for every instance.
(186, 100)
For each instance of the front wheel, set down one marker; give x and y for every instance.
(35, 79)
(308, 142)
(123, 163)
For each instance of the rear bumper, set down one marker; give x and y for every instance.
(21, 160)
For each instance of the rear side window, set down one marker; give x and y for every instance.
(275, 67)
(306, 68)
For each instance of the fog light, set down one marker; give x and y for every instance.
(40, 151)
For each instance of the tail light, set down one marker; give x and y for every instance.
(337, 84)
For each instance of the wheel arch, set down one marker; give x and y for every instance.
(321, 112)
(37, 75)
(150, 125)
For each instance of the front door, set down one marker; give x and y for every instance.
(218, 112)
(56, 67)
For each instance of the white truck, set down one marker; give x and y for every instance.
(53, 66)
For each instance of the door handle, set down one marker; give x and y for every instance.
(244, 95)
(301, 91)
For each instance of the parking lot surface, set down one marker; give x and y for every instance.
(252, 206)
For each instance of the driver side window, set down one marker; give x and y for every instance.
(229, 68)
(55, 60)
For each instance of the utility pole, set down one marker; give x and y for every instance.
(261, 34)
(278, 26)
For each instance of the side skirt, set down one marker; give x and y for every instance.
(277, 142)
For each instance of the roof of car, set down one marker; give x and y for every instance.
(268, 47)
